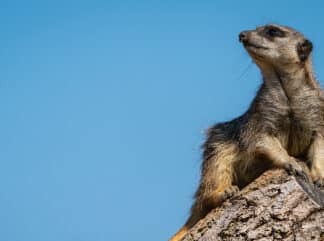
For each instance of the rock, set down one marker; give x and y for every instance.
(276, 206)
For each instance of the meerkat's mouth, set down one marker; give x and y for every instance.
(255, 46)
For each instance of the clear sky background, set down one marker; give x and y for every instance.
(103, 105)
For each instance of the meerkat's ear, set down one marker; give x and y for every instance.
(304, 49)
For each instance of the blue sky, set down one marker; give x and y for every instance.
(104, 103)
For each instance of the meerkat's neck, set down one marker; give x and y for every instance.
(291, 78)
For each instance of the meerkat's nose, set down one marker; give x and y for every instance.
(243, 36)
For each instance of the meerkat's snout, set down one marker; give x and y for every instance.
(243, 36)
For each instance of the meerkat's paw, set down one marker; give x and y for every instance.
(220, 195)
(318, 179)
(296, 169)
(230, 192)
(319, 182)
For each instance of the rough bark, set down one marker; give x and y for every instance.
(276, 206)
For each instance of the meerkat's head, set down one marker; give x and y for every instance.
(276, 45)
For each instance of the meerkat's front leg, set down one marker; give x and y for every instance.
(316, 157)
(219, 174)
(271, 148)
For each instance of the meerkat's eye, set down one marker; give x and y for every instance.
(274, 32)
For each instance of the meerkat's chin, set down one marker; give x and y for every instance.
(255, 51)
(255, 54)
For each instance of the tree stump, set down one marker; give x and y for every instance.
(276, 206)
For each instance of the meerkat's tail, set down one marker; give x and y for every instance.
(195, 216)
(180, 234)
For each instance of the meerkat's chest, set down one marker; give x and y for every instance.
(298, 137)
(304, 118)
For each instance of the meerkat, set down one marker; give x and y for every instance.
(284, 122)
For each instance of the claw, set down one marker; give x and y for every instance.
(317, 177)
(220, 195)
(303, 175)
(319, 183)
(230, 192)
(297, 170)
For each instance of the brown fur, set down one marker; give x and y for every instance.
(284, 122)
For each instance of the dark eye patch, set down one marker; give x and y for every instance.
(273, 32)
